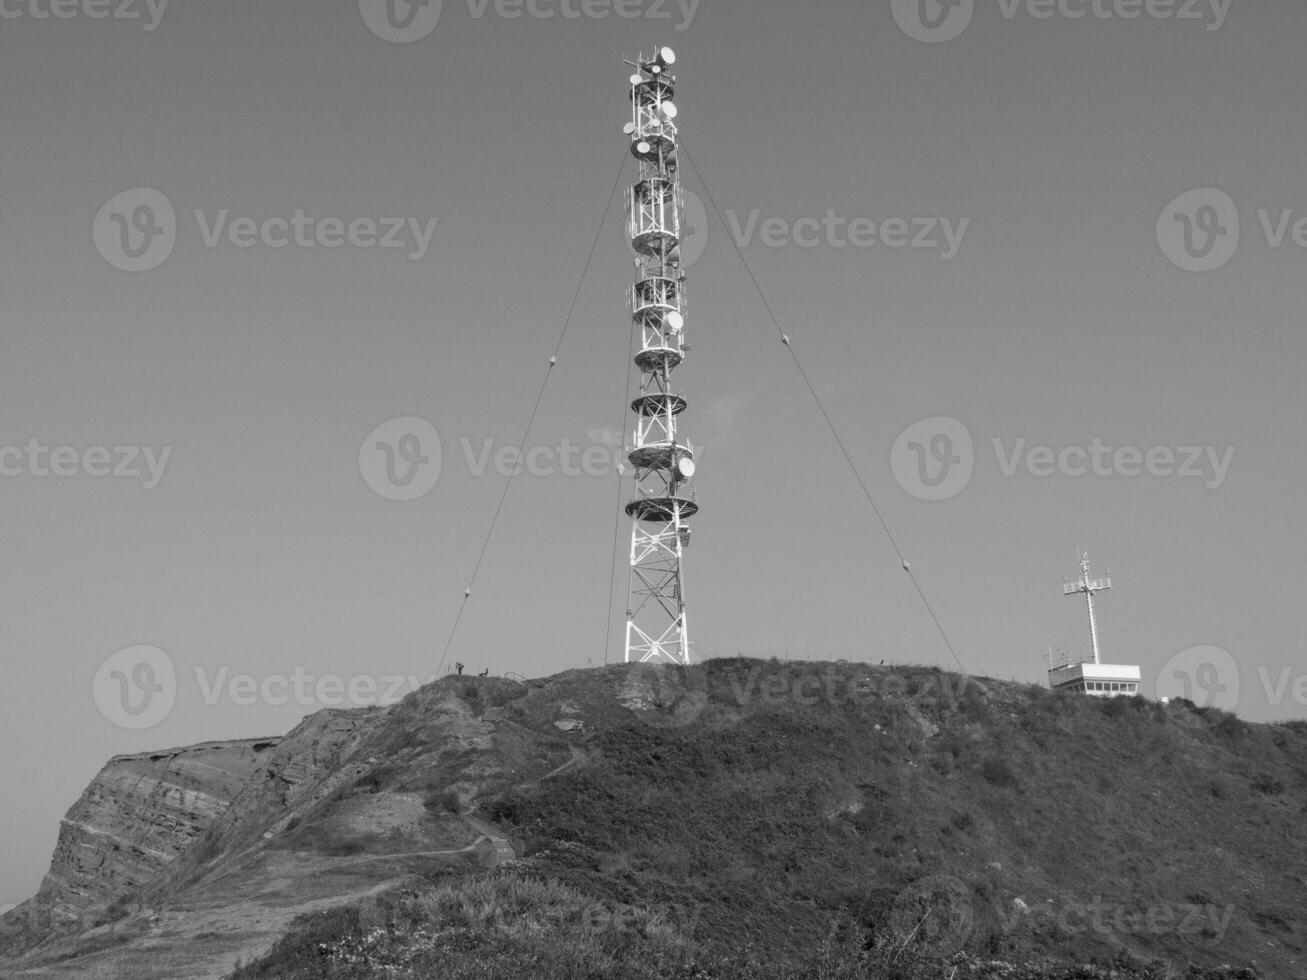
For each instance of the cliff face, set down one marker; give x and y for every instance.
(771, 803)
(309, 763)
(176, 864)
(137, 815)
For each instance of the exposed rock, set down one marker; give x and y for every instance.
(137, 815)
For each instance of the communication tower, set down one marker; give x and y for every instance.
(1088, 587)
(661, 508)
(1068, 673)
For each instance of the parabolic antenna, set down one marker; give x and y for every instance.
(629, 128)
(637, 79)
(675, 321)
(643, 147)
(655, 70)
(666, 56)
(685, 466)
(668, 109)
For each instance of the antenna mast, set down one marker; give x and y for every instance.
(1089, 586)
(655, 615)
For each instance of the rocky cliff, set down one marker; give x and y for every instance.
(137, 815)
(766, 813)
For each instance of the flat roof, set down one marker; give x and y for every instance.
(1094, 672)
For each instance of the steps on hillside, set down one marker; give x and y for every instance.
(504, 851)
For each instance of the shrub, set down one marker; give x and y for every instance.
(444, 801)
(1267, 784)
(997, 772)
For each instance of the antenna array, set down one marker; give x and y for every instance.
(660, 511)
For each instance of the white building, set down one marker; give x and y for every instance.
(1101, 680)
(1089, 675)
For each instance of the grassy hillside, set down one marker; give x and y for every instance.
(761, 819)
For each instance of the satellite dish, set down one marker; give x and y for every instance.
(655, 70)
(629, 128)
(675, 321)
(666, 56)
(643, 147)
(685, 466)
(668, 109)
(637, 79)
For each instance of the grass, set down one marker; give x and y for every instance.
(792, 829)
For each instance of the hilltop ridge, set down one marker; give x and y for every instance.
(736, 818)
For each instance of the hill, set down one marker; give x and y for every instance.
(740, 818)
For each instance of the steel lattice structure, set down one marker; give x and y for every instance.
(660, 511)
(1088, 587)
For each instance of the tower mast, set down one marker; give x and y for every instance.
(660, 509)
(1088, 586)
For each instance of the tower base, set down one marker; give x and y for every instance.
(672, 647)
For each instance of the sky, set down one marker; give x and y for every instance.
(1000, 237)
